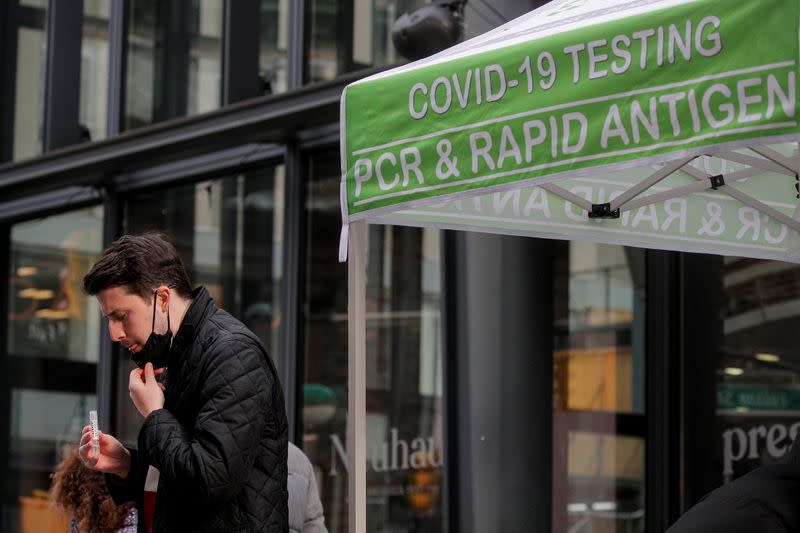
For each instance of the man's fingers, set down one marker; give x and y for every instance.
(86, 455)
(159, 371)
(149, 375)
(162, 387)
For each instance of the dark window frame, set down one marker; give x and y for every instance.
(662, 390)
(62, 91)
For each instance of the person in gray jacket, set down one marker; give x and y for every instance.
(305, 508)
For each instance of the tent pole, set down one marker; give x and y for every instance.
(567, 195)
(657, 176)
(356, 379)
(748, 200)
(775, 157)
(703, 184)
(750, 161)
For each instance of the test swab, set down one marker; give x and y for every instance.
(95, 432)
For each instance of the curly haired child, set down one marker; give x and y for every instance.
(81, 492)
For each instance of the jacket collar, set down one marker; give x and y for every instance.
(198, 312)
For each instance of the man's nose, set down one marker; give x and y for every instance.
(115, 331)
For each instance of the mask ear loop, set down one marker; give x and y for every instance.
(153, 325)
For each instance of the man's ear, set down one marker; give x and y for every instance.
(163, 295)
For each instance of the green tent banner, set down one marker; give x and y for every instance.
(595, 98)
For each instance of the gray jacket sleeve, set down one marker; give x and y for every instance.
(315, 518)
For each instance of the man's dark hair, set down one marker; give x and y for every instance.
(141, 263)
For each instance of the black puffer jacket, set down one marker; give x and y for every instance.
(766, 499)
(220, 442)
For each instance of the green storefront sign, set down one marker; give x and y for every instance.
(758, 398)
(613, 92)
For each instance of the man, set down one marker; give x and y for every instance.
(764, 499)
(212, 450)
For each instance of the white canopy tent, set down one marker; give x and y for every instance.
(665, 124)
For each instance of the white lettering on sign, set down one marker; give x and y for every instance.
(395, 455)
(588, 60)
(473, 86)
(551, 140)
(410, 161)
(738, 444)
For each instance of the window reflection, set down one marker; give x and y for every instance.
(51, 352)
(29, 101)
(757, 373)
(229, 232)
(94, 70)
(347, 35)
(42, 422)
(274, 36)
(173, 59)
(606, 475)
(404, 366)
(599, 334)
(599, 445)
(49, 316)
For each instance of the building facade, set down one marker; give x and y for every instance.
(513, 384)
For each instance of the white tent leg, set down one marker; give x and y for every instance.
(356, 379)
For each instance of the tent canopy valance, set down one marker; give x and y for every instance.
(664, 123)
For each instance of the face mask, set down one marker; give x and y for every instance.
(156, 349)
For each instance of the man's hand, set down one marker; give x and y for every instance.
(147, 394)
(114, 458)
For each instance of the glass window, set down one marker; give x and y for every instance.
(599, 332)
(173, 59)
(49, 315)
(274, 44)
(757, 374)
(336, 47)
(229, 232)
(598, 442)
(51, 352)
(348, 35)
(29, 101)
(94, 70)
(42, 422)
(741, 368)
(485, 15)
(404, 366)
